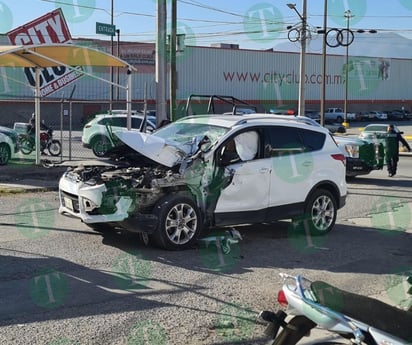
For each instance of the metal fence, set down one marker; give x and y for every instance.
(66, 118)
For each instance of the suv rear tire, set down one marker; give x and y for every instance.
(321, 211)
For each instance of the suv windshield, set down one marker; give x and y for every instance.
(182, 132)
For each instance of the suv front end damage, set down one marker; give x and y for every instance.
(124, 192)
(111, 194)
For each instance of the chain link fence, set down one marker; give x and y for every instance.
(65, 118)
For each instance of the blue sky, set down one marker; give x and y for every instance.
(251, 24)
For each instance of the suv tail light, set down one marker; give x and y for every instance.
(282, 299)
(339, 157)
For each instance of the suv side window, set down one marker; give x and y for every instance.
(280, 141)
(312, 140)
(241, 148)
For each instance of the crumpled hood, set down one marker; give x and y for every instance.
(152, 147)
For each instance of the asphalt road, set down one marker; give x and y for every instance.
(62, 283)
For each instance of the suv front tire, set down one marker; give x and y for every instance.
(179, 222)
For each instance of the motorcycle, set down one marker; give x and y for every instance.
(28, 144)
(356, 318)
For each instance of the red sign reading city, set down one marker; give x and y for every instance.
(47, 29)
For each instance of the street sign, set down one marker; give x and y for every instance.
(105, 29)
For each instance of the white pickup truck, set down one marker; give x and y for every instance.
(337, 114)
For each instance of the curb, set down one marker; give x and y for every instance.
(25, 178)
(24, 188)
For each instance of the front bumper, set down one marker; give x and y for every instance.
(83, 201)
(86, 145)
(357, 166)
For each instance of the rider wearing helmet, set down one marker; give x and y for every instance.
(31, 129)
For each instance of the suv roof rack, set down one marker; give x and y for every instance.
(258, 117)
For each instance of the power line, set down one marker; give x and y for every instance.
(205, 24)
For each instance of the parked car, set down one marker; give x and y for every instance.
(397, 115)
(378, 115)
(97, 133)
(363, 116)
(240, 111)
(206, 171)
(338, 115)
(8, 144)
(332, 127)
(375, 132)
(313, 114)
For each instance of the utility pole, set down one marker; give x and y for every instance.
(348, 16)
(118, 71)
(161, 112)
(302, 63)
(323, 89)
(302, 85)
(172, 47)
(111, 68)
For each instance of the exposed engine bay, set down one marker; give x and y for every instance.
(127, 188)
(144, 185)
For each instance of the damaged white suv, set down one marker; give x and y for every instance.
(209, 171)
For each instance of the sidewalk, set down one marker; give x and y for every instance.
(18, 177)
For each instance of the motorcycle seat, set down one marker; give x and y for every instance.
(368, 310)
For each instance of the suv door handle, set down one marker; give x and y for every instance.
(264, 170)
(307, 164)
